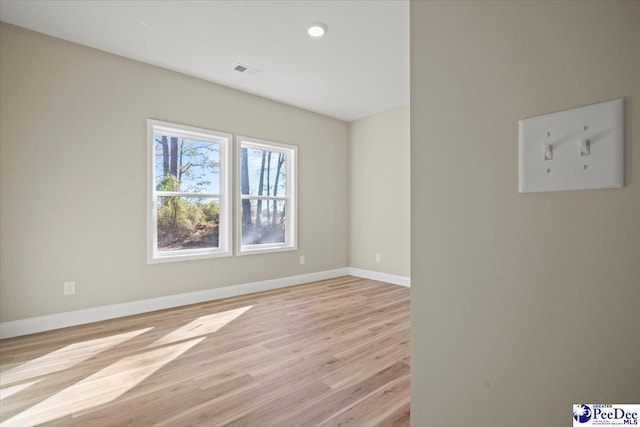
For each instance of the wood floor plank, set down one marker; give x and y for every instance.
(376, 408)
(399, 418)
(318, 410)
(355, 369)
(168, 400)
(332, 352)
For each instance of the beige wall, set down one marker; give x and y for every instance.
(522, 304)
(73, 177)
(379, 192)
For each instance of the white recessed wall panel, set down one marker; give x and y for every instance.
(575, 149)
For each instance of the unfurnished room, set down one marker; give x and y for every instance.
(295, 213)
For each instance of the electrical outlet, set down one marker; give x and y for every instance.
(302, 260)
(378, 258)
(69, 288)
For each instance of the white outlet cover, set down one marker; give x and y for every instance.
(601, 124)
(69, 288)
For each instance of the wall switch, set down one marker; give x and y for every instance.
(69, 288)
(577, 149)
(378, 258)
(302, 260)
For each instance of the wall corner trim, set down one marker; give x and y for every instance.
(382, 277)
(79, 317)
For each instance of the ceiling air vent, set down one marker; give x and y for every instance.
(246, 70)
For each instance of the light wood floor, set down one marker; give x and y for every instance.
(331, 353)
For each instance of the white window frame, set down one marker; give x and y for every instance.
(225, 246)
(291, 198)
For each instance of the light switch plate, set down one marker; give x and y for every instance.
(553, 147)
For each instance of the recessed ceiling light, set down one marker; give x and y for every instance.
(317, 30)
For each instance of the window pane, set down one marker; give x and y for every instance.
(263, 172)
(263, 221)
(189, 165)
(187, 223)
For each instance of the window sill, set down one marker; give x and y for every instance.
(186, 257)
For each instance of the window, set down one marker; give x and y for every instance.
(188, 207)
(266, 212)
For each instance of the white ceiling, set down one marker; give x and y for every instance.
(359, 68)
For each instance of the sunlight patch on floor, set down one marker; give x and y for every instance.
(102, 387)
(201, 326)
(9, 391)
(65, 357)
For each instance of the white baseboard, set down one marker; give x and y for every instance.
(89, 315)
(382, 277)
